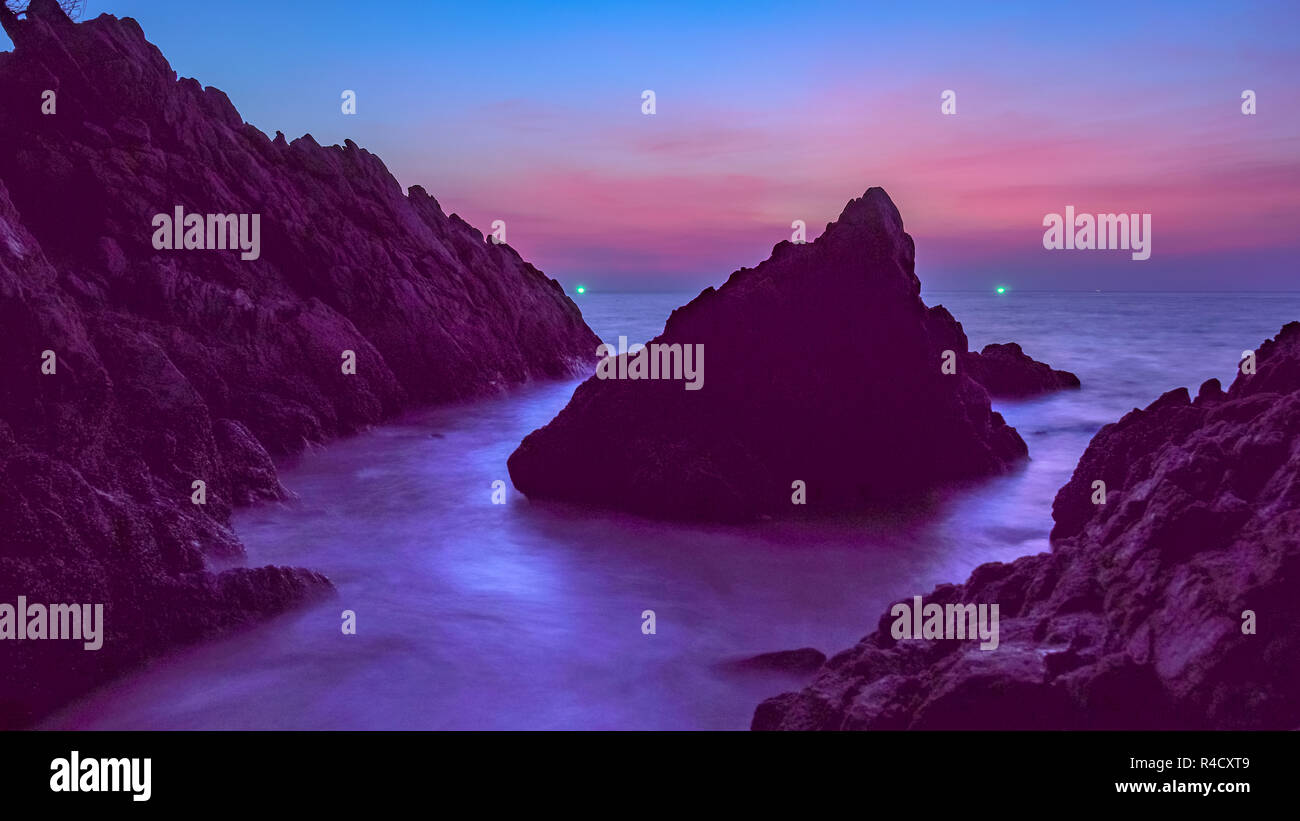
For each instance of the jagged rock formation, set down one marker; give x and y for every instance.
(821, 365)
(171, 366)
(1137, 618)
(1007, 372)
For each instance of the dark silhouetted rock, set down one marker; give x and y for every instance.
(1135, 619)
(803, 660)
(181, 365)
(1007, 372)
(821, 365)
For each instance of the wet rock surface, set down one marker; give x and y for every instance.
(171, 366)
(822, 365)
(1138, 617)
(1006, 372)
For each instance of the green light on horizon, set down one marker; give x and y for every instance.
(1001, 289)
(582, 289)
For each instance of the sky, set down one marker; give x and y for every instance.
(766, 113)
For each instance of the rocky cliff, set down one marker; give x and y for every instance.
(821, 366)
(1168, 600)
(128, 372)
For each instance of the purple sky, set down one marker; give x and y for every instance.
(767, 113)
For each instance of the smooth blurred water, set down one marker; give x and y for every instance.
(474, 615)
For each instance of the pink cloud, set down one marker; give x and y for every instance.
(708, 191)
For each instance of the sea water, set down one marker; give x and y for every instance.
(516, 616)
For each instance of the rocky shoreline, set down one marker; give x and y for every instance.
(1166, 601)
(128, 373)
(146, 391)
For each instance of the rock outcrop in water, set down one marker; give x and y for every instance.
(1138, 618)
(128, 373)
(1007, 372)
(803, 660)
(822, 366)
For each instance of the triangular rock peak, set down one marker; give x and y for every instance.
(821, 367)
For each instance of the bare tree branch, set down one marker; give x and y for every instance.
(72, 8)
